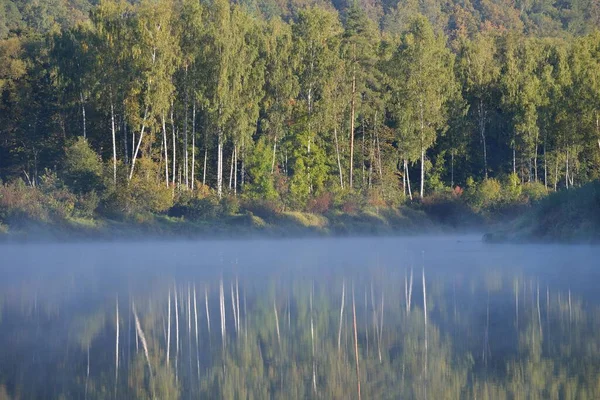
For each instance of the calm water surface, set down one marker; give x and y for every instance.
(385, 318)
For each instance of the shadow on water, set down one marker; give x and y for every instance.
(422, 317)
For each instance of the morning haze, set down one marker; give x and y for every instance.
(266, 199)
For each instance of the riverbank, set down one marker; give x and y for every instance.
(568, 216)
(403, 220)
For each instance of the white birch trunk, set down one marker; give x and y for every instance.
(114, 140)
(166, 149)
(137, 148)
(194, 146)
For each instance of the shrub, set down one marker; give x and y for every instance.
(513, 188)
(534, 191)
(21, 202)
(265, 209)
(485, 195)
(82, 168)
(87, 204)
(321, 203)
(196, 209)
(144, 193)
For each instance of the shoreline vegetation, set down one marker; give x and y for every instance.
(571, 216)
(527, 212)
(38, 214)
(185, 118)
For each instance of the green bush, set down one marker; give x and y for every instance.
(82, 168)
(230, 205)
(21, 202)
(143, 194)
(265, 209)
(197, 209)
(485, 195)
(534, 192)
(513, 188)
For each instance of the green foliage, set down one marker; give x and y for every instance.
(261, 181)
(142, 195)
(309, 169)
(82, 168)
(157, 88)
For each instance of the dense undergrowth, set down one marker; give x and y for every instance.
(80, 201)
(565, 216)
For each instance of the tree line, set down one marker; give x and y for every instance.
(189, 95)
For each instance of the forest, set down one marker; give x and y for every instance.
(201, 109)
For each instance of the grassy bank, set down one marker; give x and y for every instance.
(76, 207)
(404, 220)
(568, 216)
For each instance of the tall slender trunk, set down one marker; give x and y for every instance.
(194, 145)
(83, 114)
(220, 163)
(482, 120)
(556, 173)
(125, 144)
(337, 153)
(514, 159)
(114, 141)
(452, 168)
(204, 167)
(231, 171)
(422, 138)
(185, 142)
(132, 143)
(362, 154)
(137, 148)
(567, 169)
(371, 159)
(535, 158)
(545, 167)
(598, 128)
(274, 154)
(407, 179)
(352, 114)
(235, 170)
(243, 169)
(403, 177)
(380, 166)
(422, 190)
(174, 171)
(166, 149)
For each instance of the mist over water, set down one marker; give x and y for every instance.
(295, 318)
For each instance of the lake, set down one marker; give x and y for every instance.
(439, 317)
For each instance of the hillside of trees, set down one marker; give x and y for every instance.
(195, 109)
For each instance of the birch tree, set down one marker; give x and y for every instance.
(423, 82)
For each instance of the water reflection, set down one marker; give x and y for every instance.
(351, 318)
